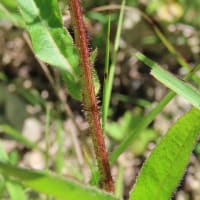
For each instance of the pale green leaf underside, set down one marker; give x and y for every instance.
(164, 168)
(52, 185)
(170, 81)
(8, 10)
(51, 42)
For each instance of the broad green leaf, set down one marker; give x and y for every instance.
(51, 42)
(164, 168)
(170, 81)
(52, 185)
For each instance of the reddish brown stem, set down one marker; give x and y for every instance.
(89, 97)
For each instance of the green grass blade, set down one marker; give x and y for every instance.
(105, 100)
(6, 129)
(170, 81)
(59, 162)
(119, 185)
(146, 120)
(163, 170)
(109, 83)
(171, 49)
(52, 185)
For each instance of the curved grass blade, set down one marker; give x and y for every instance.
(18, 137)
(52, 185)
(111, 71)
(147, 119)
(170, 81)
(163, 170)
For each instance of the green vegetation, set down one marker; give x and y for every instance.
(45, 83)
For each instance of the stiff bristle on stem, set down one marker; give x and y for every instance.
(89, 97)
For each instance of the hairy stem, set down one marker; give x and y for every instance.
(89, 97)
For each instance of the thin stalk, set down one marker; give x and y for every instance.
(59, 155)
(174, 52)
(105, 84)
(119, 185)
(88, 96)
(111, 74)
(47, 124)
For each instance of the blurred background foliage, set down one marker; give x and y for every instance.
(26, 94)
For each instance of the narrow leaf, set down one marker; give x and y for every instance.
(170, 81)
(147, 119)
(6, 129)
(111, 71)
(52, 185)
(163, 170)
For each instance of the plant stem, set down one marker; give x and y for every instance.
(88, 96)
